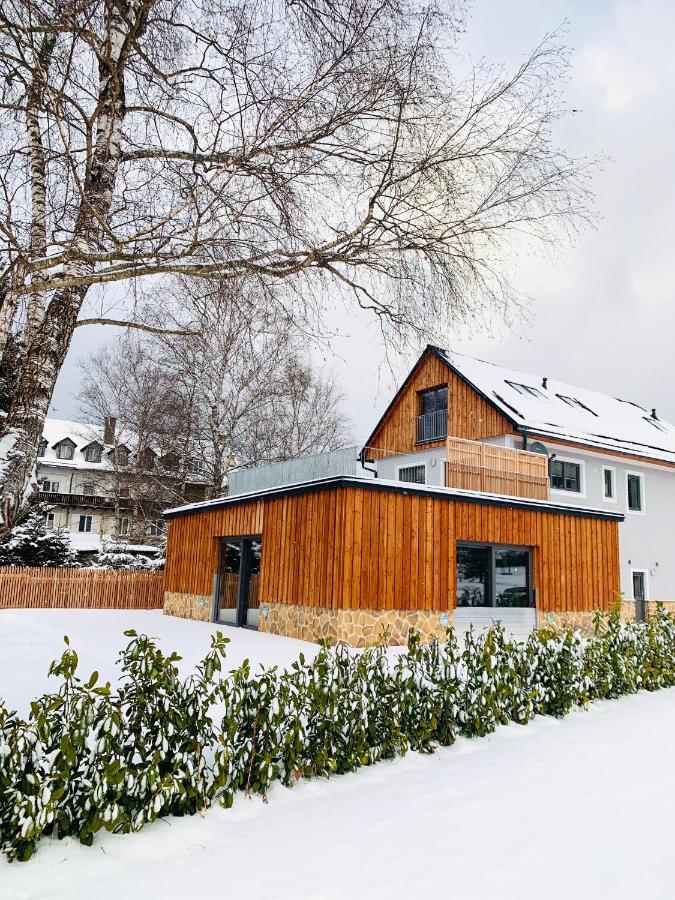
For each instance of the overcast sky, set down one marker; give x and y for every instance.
(602, 315)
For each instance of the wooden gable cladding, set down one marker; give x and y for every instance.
(365, 547)
(469, 415)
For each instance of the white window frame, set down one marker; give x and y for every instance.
(611, 469)
(643, 497)
(85, 530)
(124, 521)
(412, 466)
(53, 486)
(50, 520)
(582, 477)
(644, 572)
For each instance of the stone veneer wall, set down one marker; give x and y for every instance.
(356, 627)
(187, 606)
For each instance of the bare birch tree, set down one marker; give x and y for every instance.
(237, 393)
(323, 143)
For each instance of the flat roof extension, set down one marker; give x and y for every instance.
(381, 484)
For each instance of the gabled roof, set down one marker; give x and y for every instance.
(547, 408)
(565, 412)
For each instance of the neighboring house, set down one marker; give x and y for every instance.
(103, 488)
(484, 494)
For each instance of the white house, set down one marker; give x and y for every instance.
(90, 476)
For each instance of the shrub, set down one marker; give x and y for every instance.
(88, 757)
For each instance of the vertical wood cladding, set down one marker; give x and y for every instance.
(364, 548)
(469, 415)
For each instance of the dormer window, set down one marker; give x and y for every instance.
(92, 453)
(42, 447)
(65, 449)
(120, 455)
(572, 401)
(147, 458)
(526, 390)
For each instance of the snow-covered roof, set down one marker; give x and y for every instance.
(81, 434)
(566, 412)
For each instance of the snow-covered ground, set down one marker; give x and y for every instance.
(579, 808)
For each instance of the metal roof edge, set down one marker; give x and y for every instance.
(336, 481)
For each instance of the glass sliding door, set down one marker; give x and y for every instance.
(493, 576)
(238, 582)
(228, 581)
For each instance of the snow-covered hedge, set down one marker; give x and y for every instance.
(88, 757)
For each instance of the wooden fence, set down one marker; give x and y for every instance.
(80, 589)
(498, 470)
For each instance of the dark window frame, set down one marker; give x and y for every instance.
(491, 575)
(607, 470)
(402, 469)
(635, 477)
(65, 444)
(93, 453)
(436, 428)
(245, 542)
(566, 464)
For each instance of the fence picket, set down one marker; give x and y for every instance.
(44, 588)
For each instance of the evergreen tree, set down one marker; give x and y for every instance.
(32, 543)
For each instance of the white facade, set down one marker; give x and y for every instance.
(81, 475)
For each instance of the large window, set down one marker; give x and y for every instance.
(432, 421)
(413, 474)
(565, 476)
(635, 492)
(491, 575)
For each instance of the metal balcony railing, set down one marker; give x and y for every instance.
(431, 426)
(85, 500)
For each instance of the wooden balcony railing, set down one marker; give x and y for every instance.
(473, 466)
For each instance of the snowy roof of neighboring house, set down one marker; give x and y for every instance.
(81, 434)
(82, 540)
(565, 412)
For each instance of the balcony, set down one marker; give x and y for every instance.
(473, 466)
(92, 500)
(432, 426)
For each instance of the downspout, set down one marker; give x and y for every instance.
(362, 459)
(524, 431)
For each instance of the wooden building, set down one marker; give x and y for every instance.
(347, 557)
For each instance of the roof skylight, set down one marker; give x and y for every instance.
(572, 401)
(526, 390)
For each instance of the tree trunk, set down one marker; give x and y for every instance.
(40, 368)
